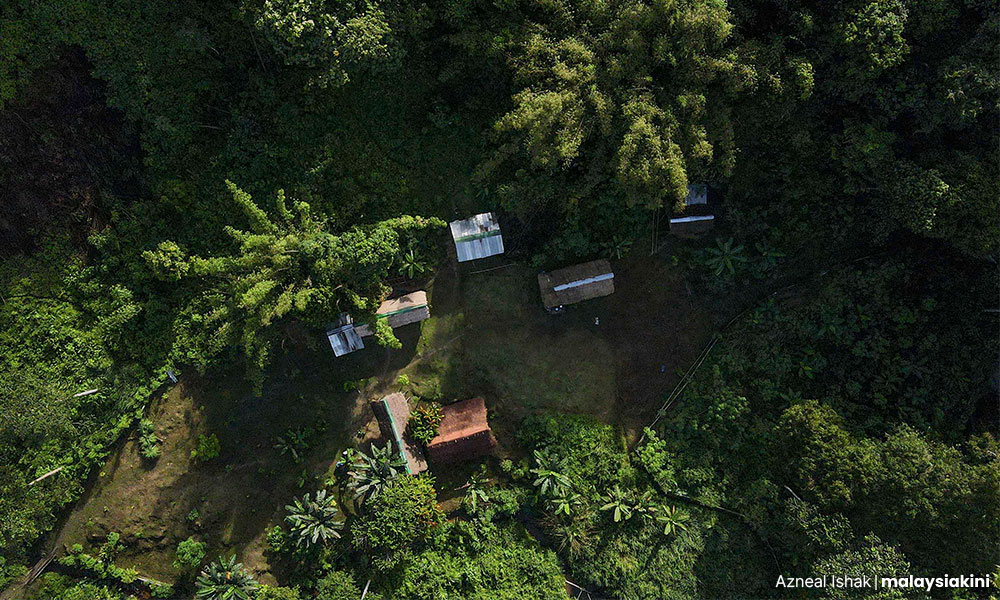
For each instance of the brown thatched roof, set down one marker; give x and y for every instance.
(463, 432)
(577, 283)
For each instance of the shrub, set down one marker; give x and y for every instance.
(338, 585)
(149, 444)
(404, 514)
(403, 381)
(190, 553)
(208, 448)
(278, 593)
(423, 426)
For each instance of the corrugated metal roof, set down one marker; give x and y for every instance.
(344, 340)
(477, 237)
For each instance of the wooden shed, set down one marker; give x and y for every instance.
(576, 284)
(404, 310)
(477, 237)
(697, 216)
(463, 432)
(393, 415)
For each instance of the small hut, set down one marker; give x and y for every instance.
(463, 432)
(393, 415)
(404, 310)
(344, 338)
(696, 218)
(477, 237)
(576, 284)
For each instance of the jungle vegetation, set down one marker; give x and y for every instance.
(194, 185)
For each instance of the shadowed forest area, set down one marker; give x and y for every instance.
(192, 195)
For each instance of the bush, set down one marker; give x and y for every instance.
(278, 593)
(149, 444)
(208, 448)
(190, 553)
(338, 585)
(403, 515)
(423, 426)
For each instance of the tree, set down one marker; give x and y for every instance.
(284, 269)
(615, 106)
(225, 580)
(475, 490)
(621, 503)
(334, 44)
(550, 480)
(190, 553)
(376, 471)
(314, 520)
(403, 514)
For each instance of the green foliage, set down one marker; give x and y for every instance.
(267, 592)
(225, 580)
(207, 448)
(374, 472)
(337, 585)
(424, 421)
(478, 562)
(149, 444)
(289, 268)
(60, 587)
(190, 554)
(401, 516)
(295, 442)
(314, 519)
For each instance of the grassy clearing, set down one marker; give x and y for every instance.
(488, 335)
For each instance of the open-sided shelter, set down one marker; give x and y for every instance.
(477, 237)
(400, 311)
(576, 284)
(463, 432)
(393, 415)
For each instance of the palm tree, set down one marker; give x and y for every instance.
(374, 473)
(621, 503)
(225, 580)
(476, 490)
(314, 520)
(550, 479)
(563, 504)
(725, 256)
(672, 519)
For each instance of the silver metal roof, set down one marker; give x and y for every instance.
(344, 339)
(477, 237)
(697, 194)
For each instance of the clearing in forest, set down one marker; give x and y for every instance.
(613, 358)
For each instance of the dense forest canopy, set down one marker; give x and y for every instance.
(204, 187)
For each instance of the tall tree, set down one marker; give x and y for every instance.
(283, 269)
